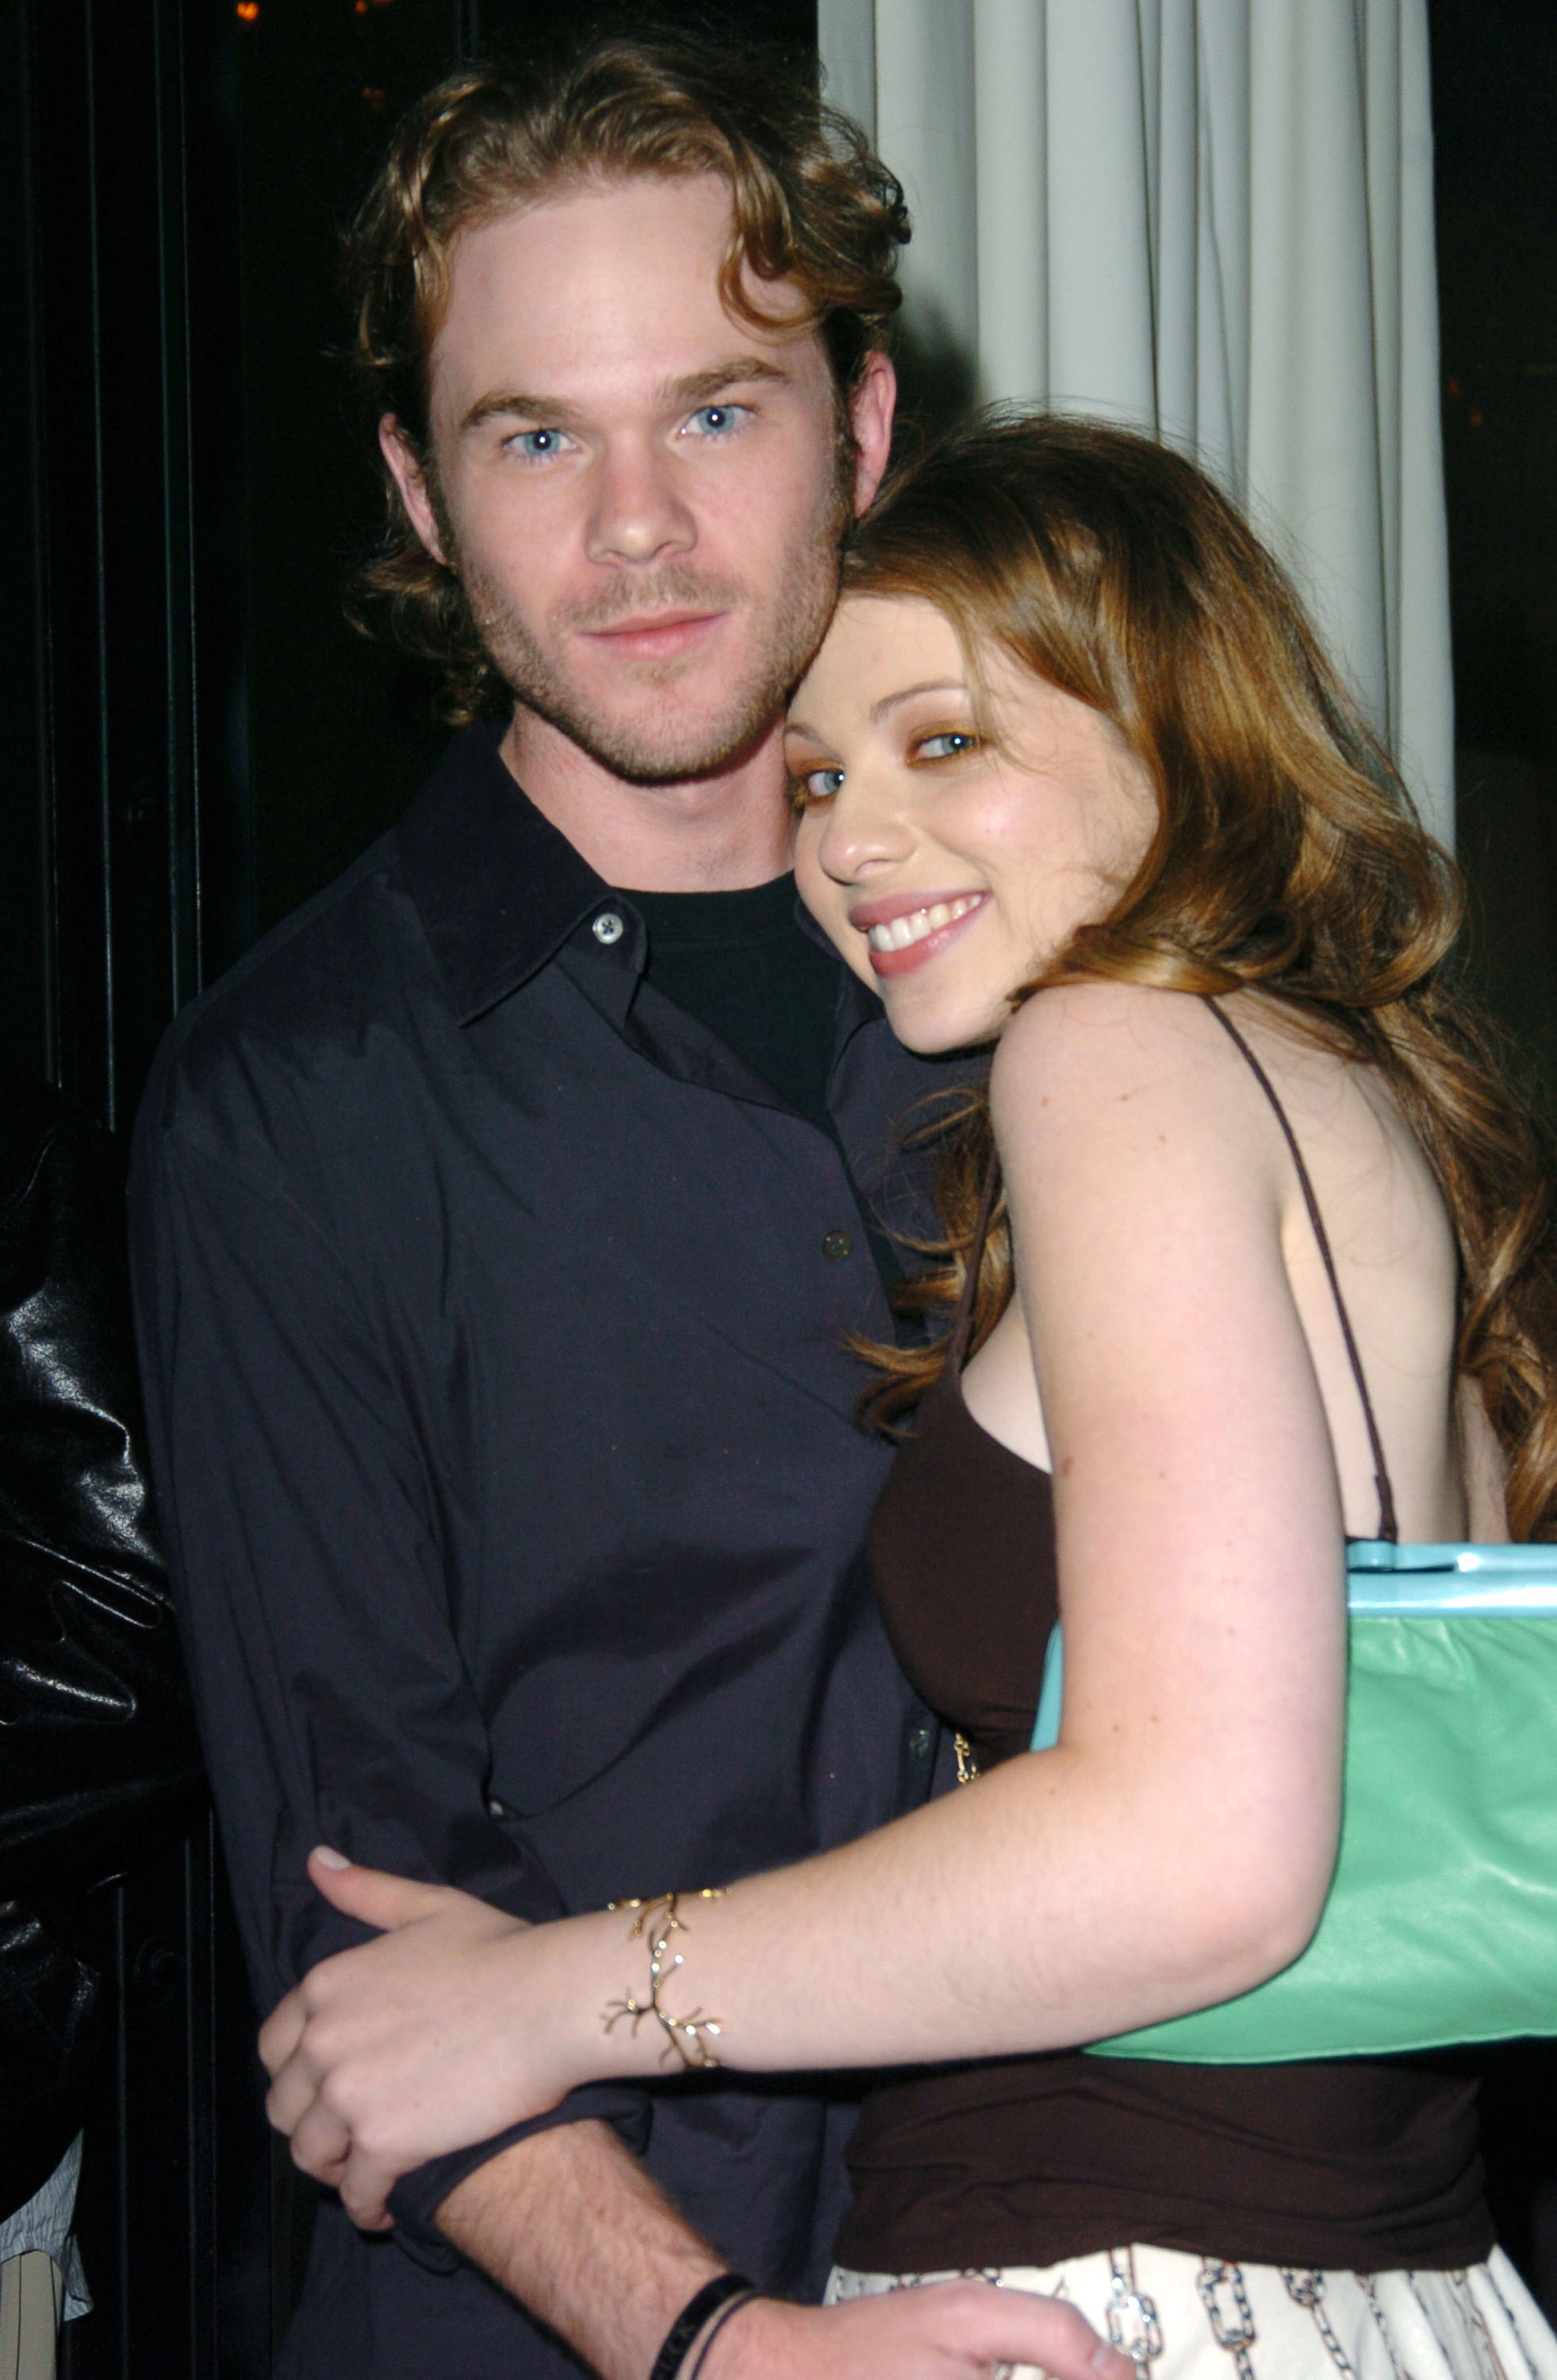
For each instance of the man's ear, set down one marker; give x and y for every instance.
(871, 409)
(411, 480)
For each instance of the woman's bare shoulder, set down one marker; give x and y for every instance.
(1095, 1052)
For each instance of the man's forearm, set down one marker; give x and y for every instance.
(571, 2225)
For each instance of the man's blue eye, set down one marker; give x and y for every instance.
(716, 419)
(537, 442)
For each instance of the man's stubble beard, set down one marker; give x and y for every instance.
(671, 752)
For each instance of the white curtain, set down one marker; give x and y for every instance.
(1211, 219)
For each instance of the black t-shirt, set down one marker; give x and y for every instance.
(744, 966)
(741, 964)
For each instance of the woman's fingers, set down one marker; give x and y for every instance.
(325, 2145)
(320, 2142)
(290, 2096)
(365, 2184)
(282, 2031)
(371, 1894)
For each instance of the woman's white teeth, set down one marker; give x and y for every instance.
(901, 931)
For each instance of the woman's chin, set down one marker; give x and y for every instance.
(932, 1030)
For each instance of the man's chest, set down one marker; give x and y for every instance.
(616, 1306)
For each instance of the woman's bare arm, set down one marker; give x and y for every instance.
(1177, 1845)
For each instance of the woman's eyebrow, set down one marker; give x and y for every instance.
(906, 694)
(878, 711)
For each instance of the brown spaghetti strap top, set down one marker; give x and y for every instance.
(1387, 1527)
(978, 1655)
(1359, 2164)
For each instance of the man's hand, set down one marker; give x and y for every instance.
(397, 2052)
(951, 2330)
(574, 2227)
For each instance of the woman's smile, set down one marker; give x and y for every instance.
(906, 931)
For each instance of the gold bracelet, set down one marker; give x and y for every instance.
(967, 1760)
(686, 2036)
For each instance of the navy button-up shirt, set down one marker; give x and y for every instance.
(493, 1317)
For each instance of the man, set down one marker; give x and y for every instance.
(501, 1220)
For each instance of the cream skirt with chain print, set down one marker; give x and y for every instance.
(1182, 2317)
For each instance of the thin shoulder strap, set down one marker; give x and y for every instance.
(1387, 1525)
(962, 1326)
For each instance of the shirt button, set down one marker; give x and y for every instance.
(920, 1743)
(838, 1245)
(609, 927)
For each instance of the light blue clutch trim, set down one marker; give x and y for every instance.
(1385, 1581)
(1051, 1693)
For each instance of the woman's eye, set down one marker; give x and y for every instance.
(945, 746)
(817, 785)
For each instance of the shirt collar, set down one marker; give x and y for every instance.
(498, 888)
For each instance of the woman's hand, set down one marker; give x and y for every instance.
(411, 2046)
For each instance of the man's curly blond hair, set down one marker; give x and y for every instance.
(811, 206)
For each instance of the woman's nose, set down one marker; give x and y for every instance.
(865, 828)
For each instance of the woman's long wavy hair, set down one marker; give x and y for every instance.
(811, 206)
(1286, 856)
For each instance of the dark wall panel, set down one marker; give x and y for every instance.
(1495, 129)
(125, 583)
(25, 908)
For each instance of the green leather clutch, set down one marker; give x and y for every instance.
(1440, 1925)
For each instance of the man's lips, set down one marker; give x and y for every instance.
(906, 929)
(656, 636)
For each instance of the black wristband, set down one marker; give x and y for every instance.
(690, 2321)
(711, 2330)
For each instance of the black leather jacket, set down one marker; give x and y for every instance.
(95, 1731)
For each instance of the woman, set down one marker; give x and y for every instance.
(1250, 1243)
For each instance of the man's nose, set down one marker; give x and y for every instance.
(638, 512)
